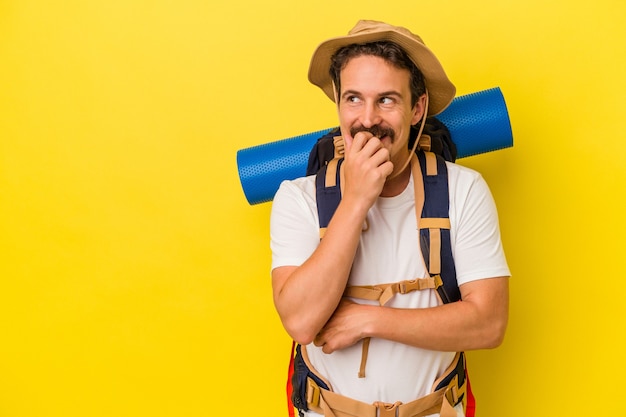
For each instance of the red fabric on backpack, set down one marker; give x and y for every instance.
(290, 407)
(470, 405)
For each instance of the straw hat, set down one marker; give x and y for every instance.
(440, 90)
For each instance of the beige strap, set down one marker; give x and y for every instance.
(418, 188)
(384, 292)
(435, 223)
(330, 404)
(435, 251)
(331, 173)
(431, 163)
(364, 351)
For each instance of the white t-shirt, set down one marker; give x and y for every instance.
(389, 252)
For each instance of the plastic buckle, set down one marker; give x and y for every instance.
(438, 281)
(408, 286)
(387, 410)
(312, 393)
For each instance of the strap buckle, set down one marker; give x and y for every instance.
(407, 286)
(438, 281)
(418, 284)
(386, 409)
(312, 393)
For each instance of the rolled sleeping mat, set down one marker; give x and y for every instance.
(478, 123)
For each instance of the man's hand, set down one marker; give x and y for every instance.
(345, 327)
(366, 166)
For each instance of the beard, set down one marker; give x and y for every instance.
(376, 130)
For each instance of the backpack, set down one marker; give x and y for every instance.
(325, 162)
(434, 148)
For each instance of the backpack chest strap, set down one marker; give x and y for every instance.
(385, 292)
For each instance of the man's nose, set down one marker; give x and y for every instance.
(371, 115)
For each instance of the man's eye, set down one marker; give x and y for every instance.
(353, 99)
(386, 100)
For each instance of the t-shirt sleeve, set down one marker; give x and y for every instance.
(477, 245)
(294, 227)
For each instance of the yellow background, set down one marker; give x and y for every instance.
(135, 276)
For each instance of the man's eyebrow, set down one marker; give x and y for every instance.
(390, 93)
(383, 94)
(350, 93)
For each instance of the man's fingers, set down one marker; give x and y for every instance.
(358, 142)
(347, 142)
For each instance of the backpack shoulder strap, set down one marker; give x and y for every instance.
(432, 204)
(328, 192)
(322, 152)
(328, 182)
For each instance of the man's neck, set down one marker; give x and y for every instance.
(397, 183)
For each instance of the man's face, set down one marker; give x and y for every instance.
(376, 95)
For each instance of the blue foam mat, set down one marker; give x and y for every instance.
(478, 123)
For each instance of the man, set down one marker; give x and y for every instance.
(383, 80)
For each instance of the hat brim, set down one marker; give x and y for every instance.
(441, 91)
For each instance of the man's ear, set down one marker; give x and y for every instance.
(419, 109)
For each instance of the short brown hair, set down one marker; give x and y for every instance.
(390, 52)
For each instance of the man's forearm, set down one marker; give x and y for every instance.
(477, 322)
(306, 296)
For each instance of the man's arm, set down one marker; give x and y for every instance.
(477, 322)
(306, 296)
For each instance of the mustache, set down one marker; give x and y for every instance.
(376, 130)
